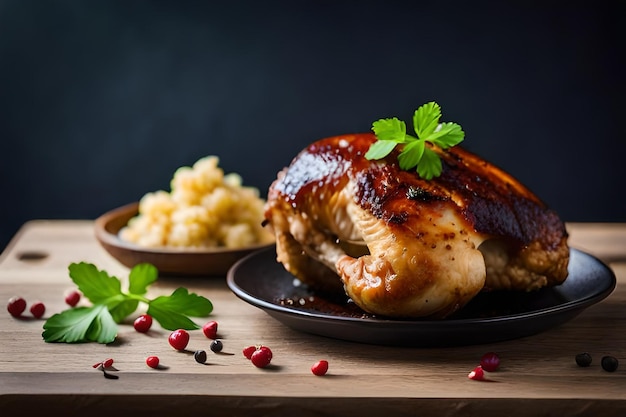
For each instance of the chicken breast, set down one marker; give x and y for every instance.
(404, 247)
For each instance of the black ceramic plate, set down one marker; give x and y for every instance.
(261, 281)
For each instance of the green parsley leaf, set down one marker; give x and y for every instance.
(122, 308)
(170, 311)
(96, 285)
(426, 119)
(412, 154)
(380, 149)
(141, 277)
(81, 324)
(390, 129)
(429, 164)
(171, 320)
(415, 153)
(448, 135)
(111, 305)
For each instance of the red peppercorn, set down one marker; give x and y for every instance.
(248, 351)
(37, 309)
(143, 323)
(267, 351)
(179, 339)
(477, 374)
(490, 362)
(107, 363)
(210, 329)
(16, 306)
(72, 298)
(261, 357)
(320, 368)
(152, 361)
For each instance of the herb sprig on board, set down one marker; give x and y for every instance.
(111, 305)
(415, 152)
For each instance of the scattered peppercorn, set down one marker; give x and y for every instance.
(72, 298)
(200, 356)
(37, 309)
(107, 363)
(320, 368)
(261, 357)
(178, 339)
(16, 306)
(152, 361)
(609, 363)
(477, 374)
(583, 359)
(143, 323)
(217, 346)
(490, 362)
(103, 366)
(210, 329)
(248, 351)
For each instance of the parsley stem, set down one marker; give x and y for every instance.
(137, 297)
(117, 299)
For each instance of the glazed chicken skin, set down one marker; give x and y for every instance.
(404, 247)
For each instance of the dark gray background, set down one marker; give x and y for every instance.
(101, 101)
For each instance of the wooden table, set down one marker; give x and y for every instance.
(538, 375)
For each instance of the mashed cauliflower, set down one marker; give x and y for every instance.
(205, 209)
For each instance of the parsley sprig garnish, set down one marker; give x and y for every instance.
(110, 305)
(415, 153)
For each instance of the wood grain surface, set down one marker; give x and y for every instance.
(538, 375)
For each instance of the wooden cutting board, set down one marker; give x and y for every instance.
(538, 374)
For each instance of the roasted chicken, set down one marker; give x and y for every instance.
(404, 247)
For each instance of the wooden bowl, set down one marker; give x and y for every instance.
(198, 262)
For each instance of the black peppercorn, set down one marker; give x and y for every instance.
(583, 359)
(200, 356)
(217, 346)
(609, 363)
